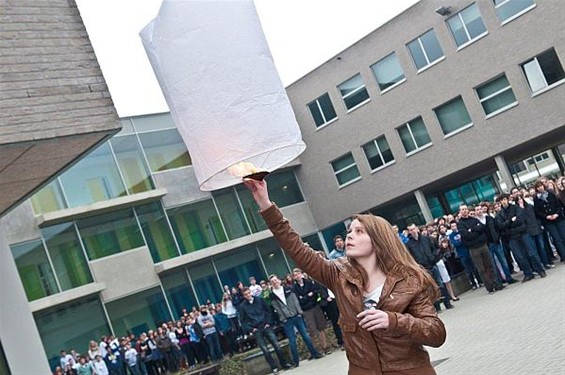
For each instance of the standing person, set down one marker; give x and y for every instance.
(100, 367)
(308, 293)
(379, 275)
(197, 343)
(290, 314)
(551, 213)
(512, 219)
(254, 287)
(534, 231)
(181, 331)
(464, 256)
(329, 307)
(131, 359)
(227, 336)
(339, 248)
(474, 237)
(84, 367)
(255, 320)
(208, 324)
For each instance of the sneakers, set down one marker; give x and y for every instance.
(527, 278)
(542, 274)
(449, 307)
(286, 366)
(499, 287)
(511, 281)
(275, 371)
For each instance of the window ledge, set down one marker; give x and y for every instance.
(501, 110)
(383, 166)
(468, 43)
(66, 296)
(349, 182)
(393, 86)
(69, 214)
(539, 92)
(419, 149)
(327, 123)
(431, 64)
(455, 132)
(358, 105)
(508, 20)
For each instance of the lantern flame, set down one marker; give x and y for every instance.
(246, 170)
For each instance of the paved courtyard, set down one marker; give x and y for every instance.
(519, 330)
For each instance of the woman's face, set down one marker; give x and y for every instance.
(358, 243)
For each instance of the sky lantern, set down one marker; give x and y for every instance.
(218, 77)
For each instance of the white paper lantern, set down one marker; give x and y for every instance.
(214, 66)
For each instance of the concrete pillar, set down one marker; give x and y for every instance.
(505, 174)
(423, 203)
(18, 333)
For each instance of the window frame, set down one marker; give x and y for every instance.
(459, 129)
(353, 92)
(409, 127)
(336, 172)
(493, 95)
(465, 28)
(430, 63)
(326, 122)
(379, 152)
(515, 15)
(401, 81)
(539, 70)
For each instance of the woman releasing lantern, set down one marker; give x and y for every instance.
(388, 335)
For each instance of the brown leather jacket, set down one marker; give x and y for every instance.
(413, 321)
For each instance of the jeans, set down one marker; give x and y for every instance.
(471, 270)
(263, 335)
(557, 231)
(434, 271)
(536, 243)
(497, 251)
(523, 252)
(483, 261)
(213, 341)
(298, 323)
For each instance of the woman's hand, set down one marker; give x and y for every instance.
(373, 319)
(259, 191)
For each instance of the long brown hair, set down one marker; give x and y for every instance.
(392, 257)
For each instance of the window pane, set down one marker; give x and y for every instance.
(417, 54)
(67, 255)
(164, 149)
(273, 258)
(179, 293)
(327, 107)
(153, 122)
(70, 325)
(499, 101)
(493, 86)
(406, 139)
(431, 45)
(239, 265)
(93, 179)
(350, 85)
(316, 114)
(34, 269)
(473, 21)
(139, 312)
(420, 132)
(452, 115)
(534, 75)
(196, 226)
(357, 98)
(388, 71)
(348, 175)
(283, 188)
(48, 199)
(109, 234)
(132, 164)
(457, 30)
(157, 232)
(551, 67)
(251, 209)
(373, 155)
(205, 282)
(435, 207)
(231, 213)
(511, 7)
(343, 162)
(385, 149)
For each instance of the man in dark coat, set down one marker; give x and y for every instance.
(551, 213)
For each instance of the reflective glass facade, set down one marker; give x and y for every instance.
(157, 232)
(34, 269)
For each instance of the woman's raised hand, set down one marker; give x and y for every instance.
(259, 191)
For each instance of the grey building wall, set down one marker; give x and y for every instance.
(535, 124)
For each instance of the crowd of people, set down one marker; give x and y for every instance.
(488, 242)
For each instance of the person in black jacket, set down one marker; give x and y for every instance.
(426, 255)
(551, 213)
(474, 236)
(512, 219)
(534, 230)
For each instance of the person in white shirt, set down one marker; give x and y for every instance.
(254, 287)
(66, 360)
(131, 360)
(100, 366)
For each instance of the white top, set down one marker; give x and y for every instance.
(255, 290)
(280, 293)
(229, 309)
(375, 295)
(100, 367)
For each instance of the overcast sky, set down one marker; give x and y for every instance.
(302, 34)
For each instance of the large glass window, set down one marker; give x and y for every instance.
(273, 258)
(197, 226)
(109, 234)
(132, 165)
(67, 255)
(345, 170)
(543, 71)
(93, 179)
(453, 116)
(496, 96)
(284, 189)
(238, 265)
(178, 292)
(48, 199)
(508, 10)
(206, 282)
(425, 50)
(34, 269)
(414, 135)
(435, 207)
(322, 110)
(471, 193)
(139, 312)
(164, 149)
(157, 232)
(231, 213)
(250, 208)
(467, 25)
(388, 72)
(402, 213)
(71, 325)
(378, 153)
(353, 92)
